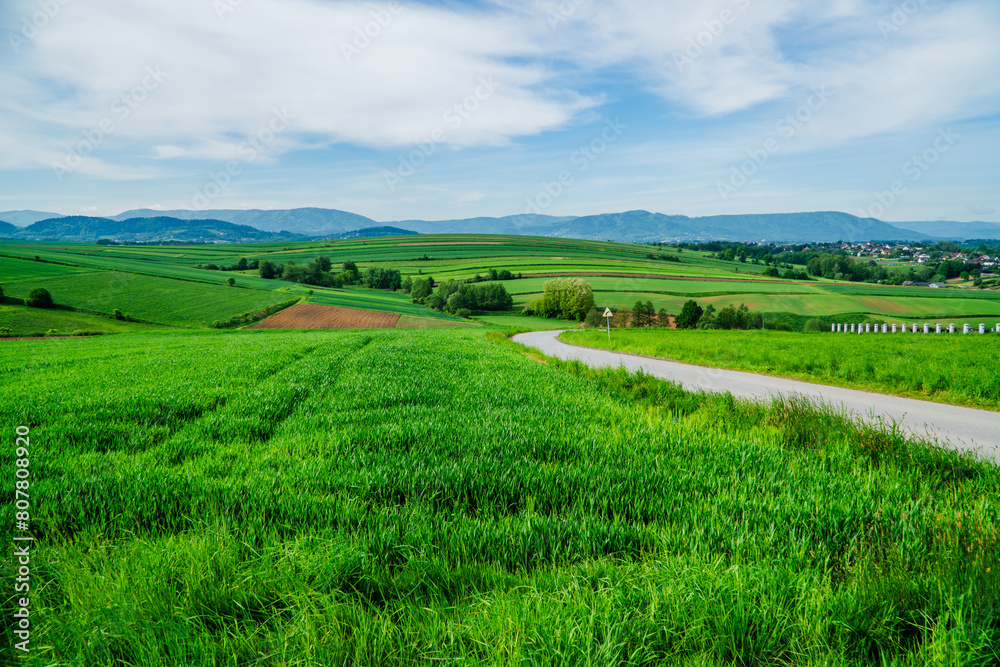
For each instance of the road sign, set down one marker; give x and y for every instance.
(608, 313)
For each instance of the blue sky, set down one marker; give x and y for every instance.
(439, 110)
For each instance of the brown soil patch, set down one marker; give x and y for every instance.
(453, 243)
(315, 316)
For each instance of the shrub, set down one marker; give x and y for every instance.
(231, 282)
(39, 298)
(117, 314)
(813, 325)
(464, 312)
(593, 318)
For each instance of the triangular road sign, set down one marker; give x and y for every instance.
(608, 313)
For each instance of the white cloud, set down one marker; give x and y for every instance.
(224, 76)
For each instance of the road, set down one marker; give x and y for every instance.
(964, 429)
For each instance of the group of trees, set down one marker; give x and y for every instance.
(459, 298)
(787, 274)
(493, 274)
(693, 316)
(243, 264)
(565, 298)
(322, 273)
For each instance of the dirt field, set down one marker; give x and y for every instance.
(314, 316)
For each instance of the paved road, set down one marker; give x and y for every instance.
(964, 429)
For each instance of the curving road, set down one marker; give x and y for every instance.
(964, 429)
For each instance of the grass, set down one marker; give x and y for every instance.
(810, 305)
(513, 321)
(955, 369)
(160, 300)
(25, 321)
(439, 496)
(15, 270)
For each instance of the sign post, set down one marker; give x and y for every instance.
(608, 314)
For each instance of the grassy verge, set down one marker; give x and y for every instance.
(435, 496)
(954, 369)
(25, 321)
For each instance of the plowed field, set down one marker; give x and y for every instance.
(314, 316)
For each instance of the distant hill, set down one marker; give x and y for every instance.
(640, 226)
(25, 218)
(954, 230)
(306, 221)
(374, 232)
(88, 229)
(7, 229)
(634, 226)
(540, 225)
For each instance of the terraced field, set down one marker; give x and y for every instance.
(620, 274)
(159, 300)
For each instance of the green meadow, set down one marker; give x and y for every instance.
(440, 496)
(948, 368)
(151, 299)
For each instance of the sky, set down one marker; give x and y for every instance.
(439, 110)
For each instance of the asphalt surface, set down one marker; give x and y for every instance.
(964, 429)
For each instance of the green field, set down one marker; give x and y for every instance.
(647, 275)
(440, 497)
(25, 321)
(160, 300)
(956, 369)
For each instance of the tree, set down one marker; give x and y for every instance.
(708, 319)
(231, 282)
(349, 265)
(690, 314)
(324, 264)
(407, 284)
(242, 265)
(593, 318)
(567, 298)
(420, 290)
(266, 270)
(39, 298)
(663, 318)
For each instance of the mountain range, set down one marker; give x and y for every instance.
(232, 226)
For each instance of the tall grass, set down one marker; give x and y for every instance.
(948, 368)
(419, 497)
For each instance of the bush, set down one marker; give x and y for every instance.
(5, 332)
(813, 325)
(39, 298)
(566, 298)
(690, 314)
(52, 332)
(593, 318)
(464, 312)
(117, 314)
(231, 282)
